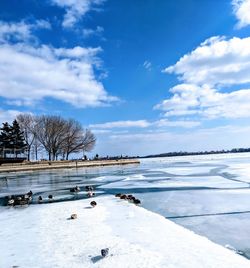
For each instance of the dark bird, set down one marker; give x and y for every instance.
(137, 202)
(27, 197)
(23, 202)
(20, 200)
(23, 199)
(123, 196)
(11, 202)
(73, 216)
(89, 188)
(75, 189)
(50, 196)
(90, 194)
(93, 203)
(105, 252)
(30, 193)
(40, 199)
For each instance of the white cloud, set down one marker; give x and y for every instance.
(77, 52)
(30, 71)
(43, 24)
(178, 123)
(88, 32)
(147, 65)
(122, 124)
(8, 115)
(185, 96)
(242, 12)
(191, 99)
(101, 131)
(34, 73)
(75, 9)
(20, 31)
(215, 62)
(146, 124)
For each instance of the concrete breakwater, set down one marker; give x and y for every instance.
(44, 165)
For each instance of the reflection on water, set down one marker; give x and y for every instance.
(207, 194)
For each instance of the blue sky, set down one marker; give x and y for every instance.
(146, 76)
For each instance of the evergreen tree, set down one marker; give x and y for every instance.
(11, 139)
(5, 138)
(17, 141)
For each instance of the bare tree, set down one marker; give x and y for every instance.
(27, 126)
(55, 135)
(36, 148)
(72, 141)
(51, 132)
(88, 141)
(77, 139)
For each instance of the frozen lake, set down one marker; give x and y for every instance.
(207, 194)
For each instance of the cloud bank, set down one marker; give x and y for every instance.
(32, 72)
(146, 124)
(216, 64)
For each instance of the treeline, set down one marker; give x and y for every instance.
(235, 150)
(57, 136)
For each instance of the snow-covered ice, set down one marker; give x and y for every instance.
(131, 182)
(42, 236)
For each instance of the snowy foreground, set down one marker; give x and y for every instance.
(43, 236)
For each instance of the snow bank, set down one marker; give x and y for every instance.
(42, 236)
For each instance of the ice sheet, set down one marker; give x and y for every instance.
(178, 186)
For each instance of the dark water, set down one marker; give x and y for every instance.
(59, 182)
(207, 195)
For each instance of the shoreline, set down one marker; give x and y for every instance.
(7, 168)
(136, 237)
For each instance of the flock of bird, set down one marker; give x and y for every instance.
(129, 197)
(25, 199)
